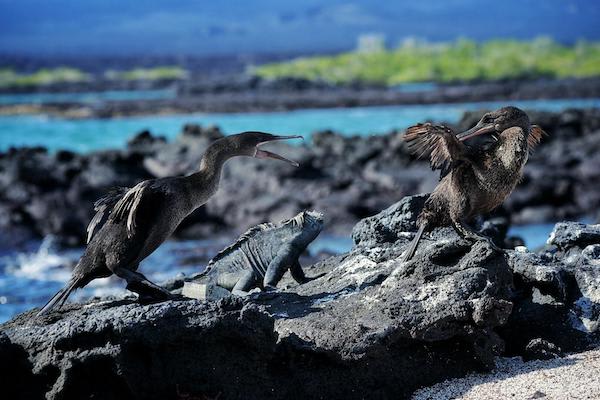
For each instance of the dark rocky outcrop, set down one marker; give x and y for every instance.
(558, 290)
(371, 327)
(244, 93)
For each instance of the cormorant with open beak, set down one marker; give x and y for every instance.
(131, 223)
(475, 179)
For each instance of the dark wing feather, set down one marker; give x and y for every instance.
(104, 203)
(536, 133)
(127, 206)
(439, 142)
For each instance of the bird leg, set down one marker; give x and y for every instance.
(470, 234)
(139, 284)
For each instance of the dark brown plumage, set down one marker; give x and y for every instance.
(131, 223)
(475, 179)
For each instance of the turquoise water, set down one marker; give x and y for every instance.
(91, 134)
(534, 235)
(416, 87)
(85, 97)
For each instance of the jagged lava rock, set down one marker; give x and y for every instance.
(557, 295)
(371, 327)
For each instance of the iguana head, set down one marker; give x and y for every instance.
(306, 226)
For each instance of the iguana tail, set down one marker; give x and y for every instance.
(198, 276)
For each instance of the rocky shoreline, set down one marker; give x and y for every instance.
(372, 326)
(348, 178)
(243, 93)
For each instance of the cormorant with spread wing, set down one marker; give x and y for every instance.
(475, 179)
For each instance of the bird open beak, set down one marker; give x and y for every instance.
(479, 129)
(260, 153)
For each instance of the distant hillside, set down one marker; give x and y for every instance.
(462, 60)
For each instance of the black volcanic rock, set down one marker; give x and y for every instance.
(557, 290)
(368, 324)
(567, 235)
(372, 326)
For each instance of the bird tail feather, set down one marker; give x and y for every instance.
(413, 245)
(60, 297)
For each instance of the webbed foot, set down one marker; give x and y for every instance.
(312, 278)
(468, 233)
(472, 240)
(493, 245)
(150, 298)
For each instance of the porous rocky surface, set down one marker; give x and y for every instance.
(348, 178)
(371, 327)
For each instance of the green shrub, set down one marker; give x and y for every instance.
(461, 60)
(148, 74)
(44, 76)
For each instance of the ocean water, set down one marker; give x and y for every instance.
(92, 134)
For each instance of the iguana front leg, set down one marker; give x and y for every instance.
(298, 274)
(277, 268)
(244, 284)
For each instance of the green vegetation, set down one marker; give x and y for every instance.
(45, 76)
(10, 78)
(462, 60)
(148, 74)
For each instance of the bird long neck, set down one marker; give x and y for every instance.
(502, 168)
(205, 182)
(513, 150)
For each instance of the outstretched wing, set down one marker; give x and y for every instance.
(438, 141)
(536, 133)
(127, 206)
(104, 203)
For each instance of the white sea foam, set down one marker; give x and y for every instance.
(44, 264)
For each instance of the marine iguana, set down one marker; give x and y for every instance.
(475, 179)
(260, 257)
(131, 223)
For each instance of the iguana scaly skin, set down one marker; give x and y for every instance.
(260, 257)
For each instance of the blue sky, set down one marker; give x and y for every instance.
(124, 27)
